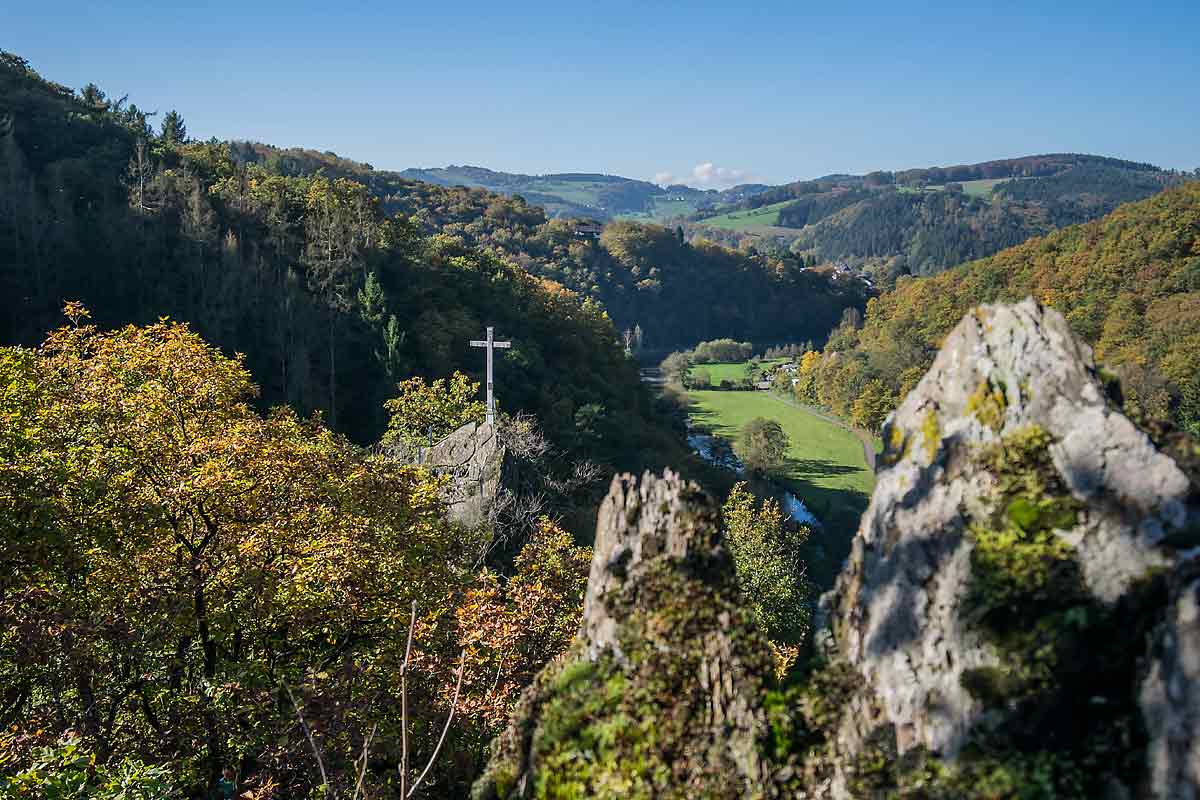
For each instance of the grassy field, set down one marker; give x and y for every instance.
(730, 371)
(823, 456)
(752, 219)
(671, 208)
(981, 188)
(827, 469)
(581, 192)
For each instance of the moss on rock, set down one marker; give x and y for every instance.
(988, 404)
(1066, 660)
(931, 433)
(674, 706)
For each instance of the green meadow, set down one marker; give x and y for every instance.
(981, 188)
(730, 371)
(826, 467)
(823, 455)
(751, 219)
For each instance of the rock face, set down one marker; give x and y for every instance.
(1007, 591)
(477, 463)
(662, 694)
(1019, 616)
(1170, 694)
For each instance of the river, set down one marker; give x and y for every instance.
(717, 452)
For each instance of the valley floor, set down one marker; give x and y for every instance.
(824, 455)
(828, 468)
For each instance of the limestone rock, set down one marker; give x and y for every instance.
(477, 464)
(1170, 695)
(1009, 572)
(636, 525)
(662, 694)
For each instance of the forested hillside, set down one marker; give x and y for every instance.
(589, 194)
(644, 275)
(569, 194)
(331, 301)
(919, 222)
(1129, 284)
(647, 276)
(190, 584)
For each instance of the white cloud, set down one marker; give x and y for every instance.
(708, 176)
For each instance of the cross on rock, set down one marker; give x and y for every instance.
(491, 344)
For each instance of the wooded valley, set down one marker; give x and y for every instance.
(235, 379)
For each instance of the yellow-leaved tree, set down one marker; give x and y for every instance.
(175, 567)
(422, 411)
(511, 627)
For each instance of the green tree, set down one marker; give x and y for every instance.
(762, 445)
(67, 769)
(766, 551)
(93, 97)
(438, 408)
(174, 131)
(873, 405)
(675, 367)
(384, 327)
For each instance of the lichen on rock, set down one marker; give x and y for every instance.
(664, 692)
(1007, 579)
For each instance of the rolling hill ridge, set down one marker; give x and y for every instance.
(1128, 284)
(921, 221)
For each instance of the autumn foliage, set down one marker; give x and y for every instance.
(511, 627)
(1129, 284)
(173, 564)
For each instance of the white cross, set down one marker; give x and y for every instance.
(491, 344)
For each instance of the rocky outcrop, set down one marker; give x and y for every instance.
(1170, 692)
(663, 693)
(1006, 591)
(477, 464)
(1019, 615)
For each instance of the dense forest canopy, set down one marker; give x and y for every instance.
(186, 585)
(331, 300)
(1128, 283)
(643, 274)
(921, 221)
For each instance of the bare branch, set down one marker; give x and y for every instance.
(362, 768)
(308, 735)
(499, 669)
(412, 622)
(462, 662)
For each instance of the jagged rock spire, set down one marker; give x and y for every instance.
(1009, 574)
(662, 694)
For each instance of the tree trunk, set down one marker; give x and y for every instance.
(210, 673)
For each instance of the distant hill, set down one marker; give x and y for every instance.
(884, 223)
(589, 194)
(921, 221)
(567, 194)
(1129, 284)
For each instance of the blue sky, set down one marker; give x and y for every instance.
(773, 91)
